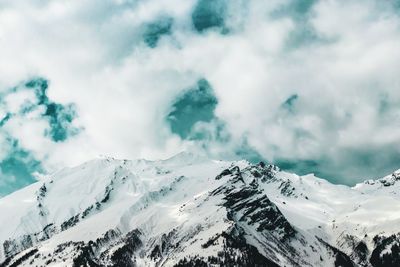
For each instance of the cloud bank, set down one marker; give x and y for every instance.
(313, 86)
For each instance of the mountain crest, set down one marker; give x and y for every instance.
(190, 211)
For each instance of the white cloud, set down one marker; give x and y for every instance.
(93, 55)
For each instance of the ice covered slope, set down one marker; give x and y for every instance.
(192, 211)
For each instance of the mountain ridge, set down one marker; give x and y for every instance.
(193, 211)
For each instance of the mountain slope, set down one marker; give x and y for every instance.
(191, 211)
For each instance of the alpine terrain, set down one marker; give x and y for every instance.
(193, 211)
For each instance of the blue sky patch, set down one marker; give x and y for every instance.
(60, 117)
(195, 105)
(17, 168)
(155, 30)
(208, 14)
(18, 164)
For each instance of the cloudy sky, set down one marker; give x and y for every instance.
(313, 86)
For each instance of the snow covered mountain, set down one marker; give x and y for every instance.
(192, 211)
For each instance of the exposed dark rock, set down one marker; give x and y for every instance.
(48, 231)
(107, 193)
(87, 211)
(261, 164)
(123, 255)
(252, 206)
(42, 191)
(341, 259)
(14, 246)
(287, 189)
(70, 222)
(236, 252)
(85, 257)
(19, 260)
(386, 252)
(211, 241)
(223, 173)
(361, 251)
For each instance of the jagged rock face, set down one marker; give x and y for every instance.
(236, 252)
(190, 211)
(247, 203)
(387, 251)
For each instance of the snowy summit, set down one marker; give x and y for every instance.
(192, 211)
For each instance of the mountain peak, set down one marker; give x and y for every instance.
(192, 211)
